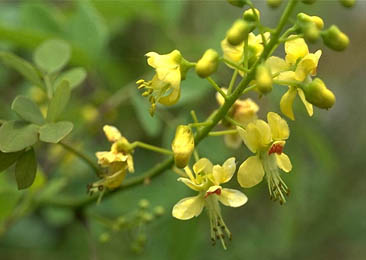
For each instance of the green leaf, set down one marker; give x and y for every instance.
(59, 101)
(17, 135)
(27, 110)
(152, 125)
(7, 160)
(52, 55)
(55, 132)
(26, 169)
(22, 66)
(74, 76)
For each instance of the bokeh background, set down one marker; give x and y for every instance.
(325, 216)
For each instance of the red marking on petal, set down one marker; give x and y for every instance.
(275, 148)
(217, 192)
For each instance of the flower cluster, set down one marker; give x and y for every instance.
(247, 49)
(117, 161)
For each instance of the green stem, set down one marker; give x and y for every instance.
(151, 148)
(225, 132)
(234, 122)
(232, 82)
(82, 156)
(217, 87)
(236, 66)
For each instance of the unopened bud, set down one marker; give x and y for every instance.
(104, 238)
(311, 33)
(250, 16)
(183, 145)
(159, 211)
(238, 3)
(319, 95)
(308, 2)
(144, 203)
(335, 39)
(348, 3)
(207, 65)
(238, 32)
(274, 3)
(304, 19)
(263, 79)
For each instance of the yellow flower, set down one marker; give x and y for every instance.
(244, 112)
(206, 180)
(298, 67)
(117, 161)
(267, 141)
(235, 53)
(165, 85)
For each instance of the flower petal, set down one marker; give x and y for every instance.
(308, 106)
(286, 103)
(232, 53)
(306, 66)
(170, 60)
(202, 165)
(295, 49)
(172, 98)
(188, 207)
(283, 161)
(232, 141)
(112, 133)
(232, 198)
(256, 135)
(251, 172)
(191, 184)
(278, 125)
(224, 173)
(276, 64)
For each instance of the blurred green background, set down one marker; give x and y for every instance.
(325, 216)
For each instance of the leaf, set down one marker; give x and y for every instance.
(55, 132)
(59, 101)
(74, 76)
(17, 135)
(87, 29)
(52, 55)
(7, 160)
(27, 110)
(26, 169)
(152, 125)
(22, 66)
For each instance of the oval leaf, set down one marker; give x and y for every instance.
(27, 110)
(55, 132)
(7, 160)
(52, 55)
(58, 101)
(74, 76)
(22, 66)
(25, 169)
(17, 135)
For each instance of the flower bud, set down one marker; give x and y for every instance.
(319, 95)
(144, 203)
(250, 16)
(304, 19)
(335, 39)
(183, 145)
(207, 65)
(238, 32)
(311, 33)
(238, 3)
(274, 3)
(308, 2)
(263, 79)
(348, 3)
